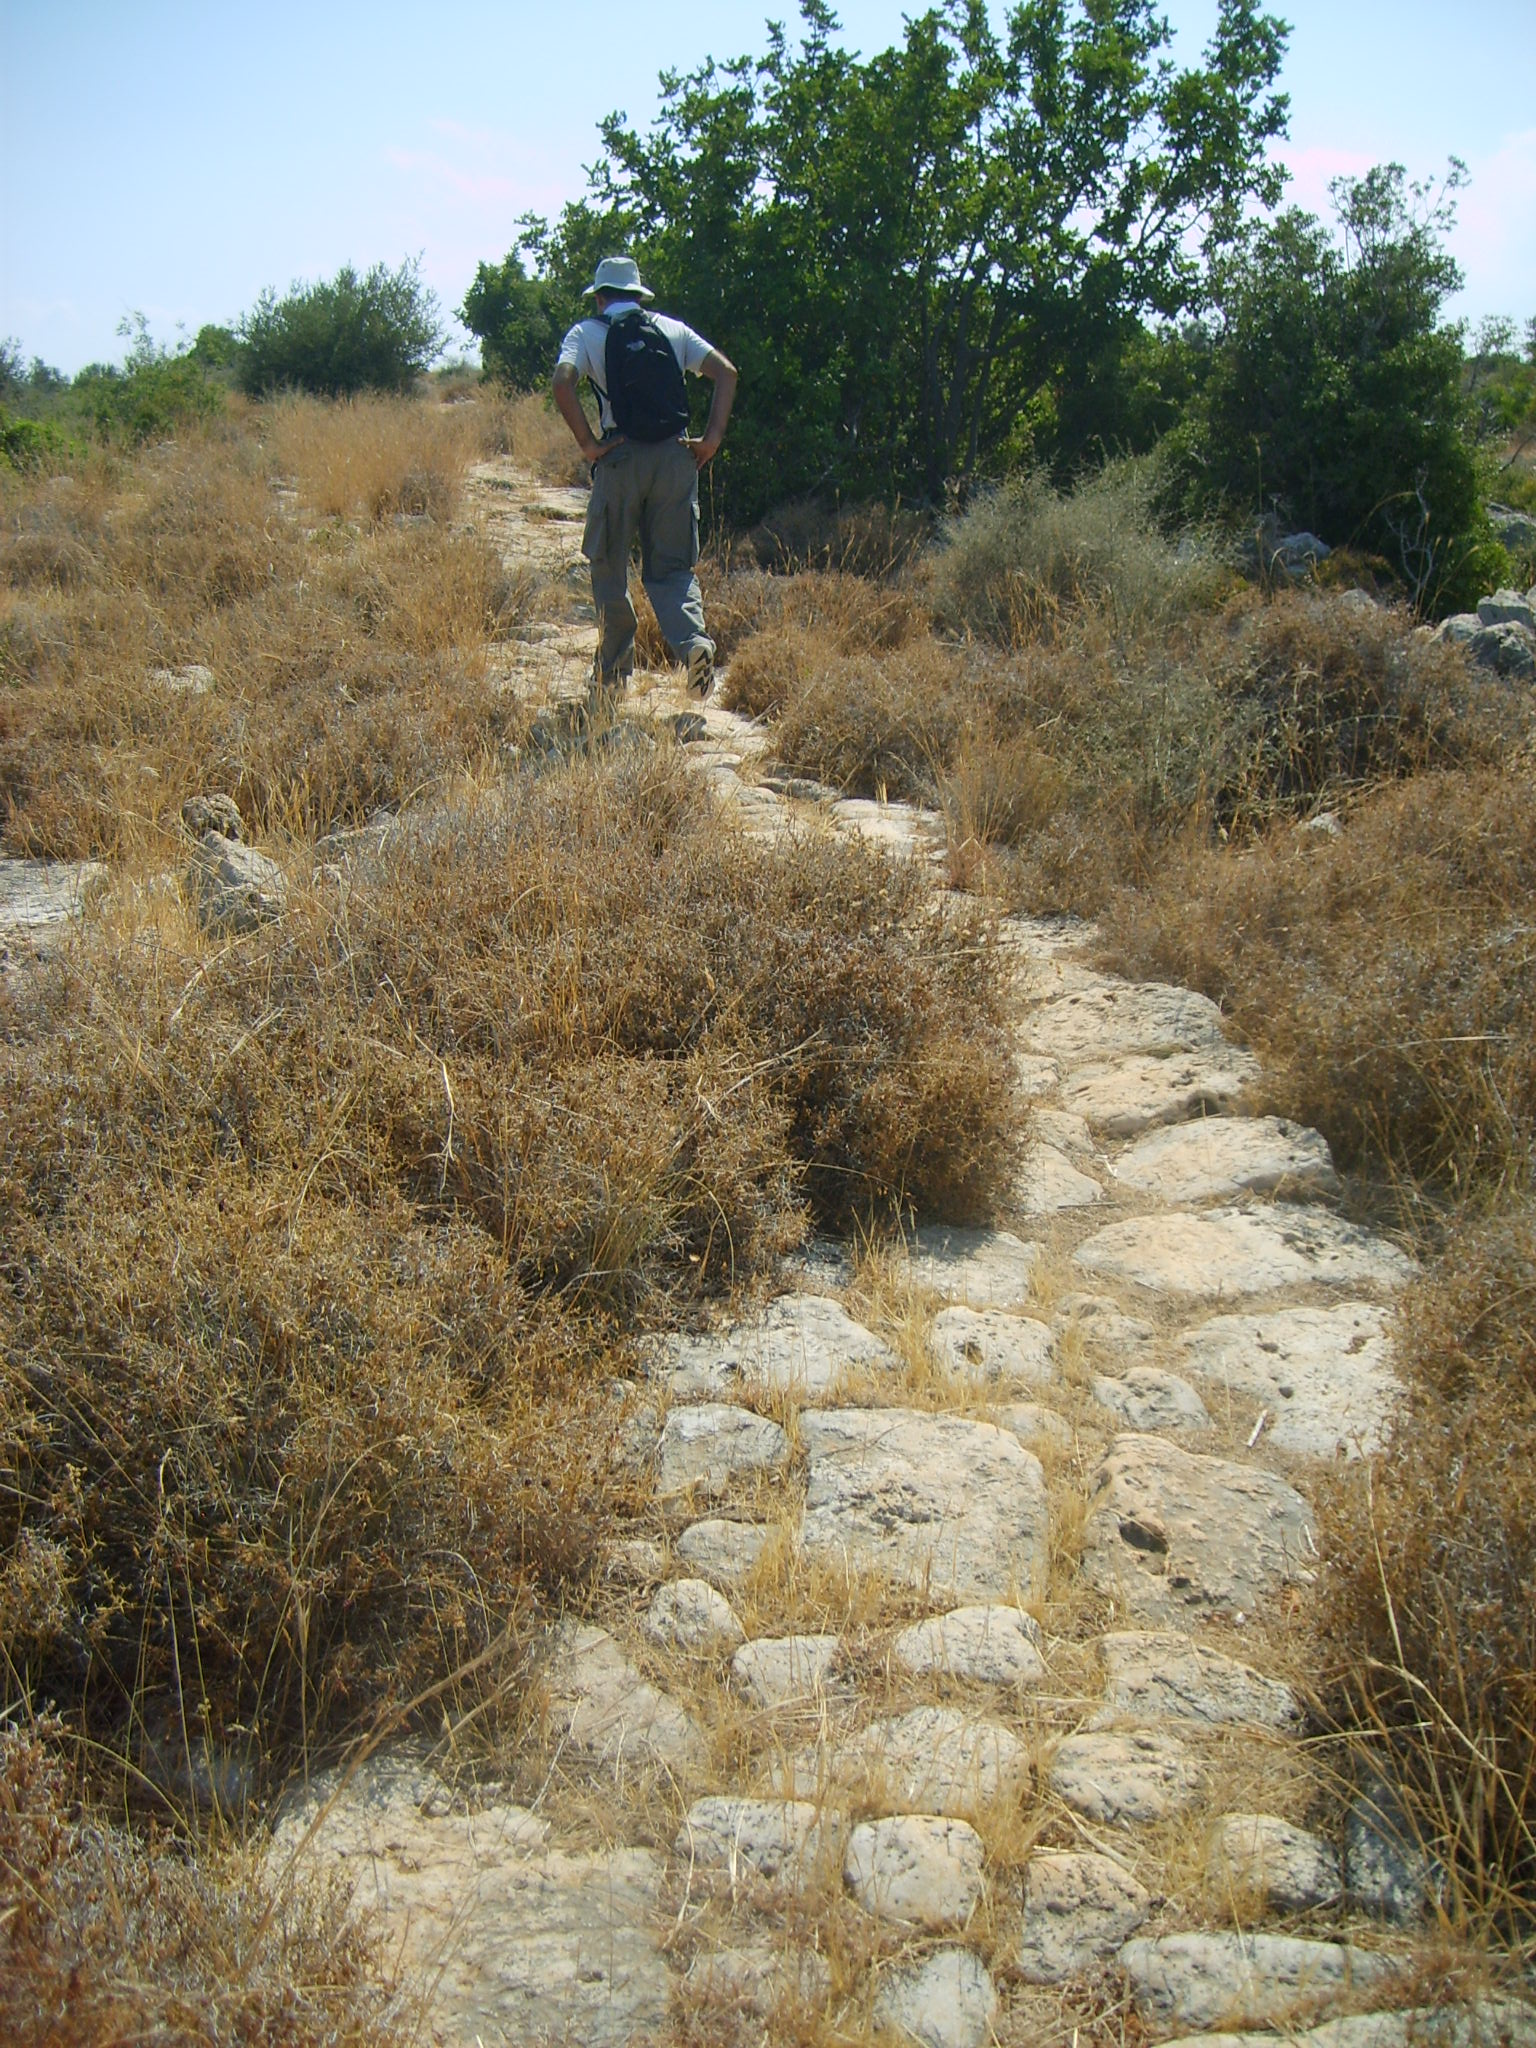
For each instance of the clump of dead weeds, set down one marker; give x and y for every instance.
(1430, 1562)
(320, 1244)
(105, 1938)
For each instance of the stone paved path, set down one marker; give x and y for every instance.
(947, 1686)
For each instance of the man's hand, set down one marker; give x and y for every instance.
(568, 404)
(703, 450)
(599, 449)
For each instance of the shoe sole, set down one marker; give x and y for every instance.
(701, 674)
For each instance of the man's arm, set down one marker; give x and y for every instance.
(568, 404)
(721, 372)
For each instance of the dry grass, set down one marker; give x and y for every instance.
(105, 1939)
(372, 457)
(529, 430)
(347, 661)
(1387, 975)
(1428, 1609)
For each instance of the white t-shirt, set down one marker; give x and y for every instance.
(585, 348)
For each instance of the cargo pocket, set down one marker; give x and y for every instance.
(675, 523)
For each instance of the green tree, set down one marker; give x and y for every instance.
(352, 333)
(913, 257)
(1335, 393)
(154, 392)
(516, 319)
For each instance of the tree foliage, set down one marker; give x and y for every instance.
(917, 257)
(1334, 394)
(516, 319)
(374, 332)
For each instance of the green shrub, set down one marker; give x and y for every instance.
(156, 391)
(1335, 395)
(30, 444)
(517, 320)
(374, 332)
(1027, 555)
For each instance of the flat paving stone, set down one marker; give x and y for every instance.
(1078, 1908)
(801, 1343)
(895, 828)
(1211, 1980)
(782, 1841)
(1132, 1779)
(989, 1344)
(1033, 1423)
(1159, 1675)
(1064, 1129)
(1487, 2022)
(1174, 1536)
(945, 2001)
(1324, 1375)
(35, 894)
(508, 1939)
(931, 1760)
(722, 1552)
(1145, 1397)
(990, 1645)
(688, 1618)
(608, 1712)
(714, 1445)
(1122, 1098)
(782, 1671)
(1259, 1856)
(1218, 1157)
(916, 1868)
(1049, 1183)
(1223, 1254)
(1104, 1328)
(953, 1507)
(1123, 1017)
(986, 1268)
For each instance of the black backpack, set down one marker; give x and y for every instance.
(645, 380)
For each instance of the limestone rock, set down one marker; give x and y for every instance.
(1487, 2022)
(714, 1444)
(781, 1671)
(1217, 1157)
(1225, 1253)
(1077, 1908)
(608, 1712)
(35, 894)
(800, 1344)
(191, 679)
(761, 1977)
(1103, 1325)
(1050, 1182)
(945, 2001)
(1173, 1535)
(1509, 650)
(1033, 1424)
(1064, 1129)
(510, 1940)
(1386, 1868)
(931, 1760)
(781, 1841)
(955, 1507)
(1258, 1856)
(1123, 1017)
(213, 812)
(1122, 1098)
(987, 1268)
(916, 1868)
(1136, 1778)
(637, 1561)
(722, 1552)
(234, 887)
(690, 1619)
(1152, 1675)
(1147, 1398)
(1324, 1374)
(990, 1344)
(993, 1645)
(1210, 1980)
(1507, 608)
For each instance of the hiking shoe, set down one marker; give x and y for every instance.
(701, 668)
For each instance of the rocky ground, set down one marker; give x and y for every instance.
(951, 1682)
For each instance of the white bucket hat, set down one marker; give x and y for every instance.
(619, 274)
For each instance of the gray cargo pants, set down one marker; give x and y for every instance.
(650, 489)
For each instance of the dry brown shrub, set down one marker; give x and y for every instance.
(318, 1242)
(874, 540)
(1430, 1560)
(529, 430)
(847, 614)
(105, 1939)
(1387, 974)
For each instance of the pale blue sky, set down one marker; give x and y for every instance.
(176, 158)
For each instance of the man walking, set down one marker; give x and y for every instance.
(645, 469)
